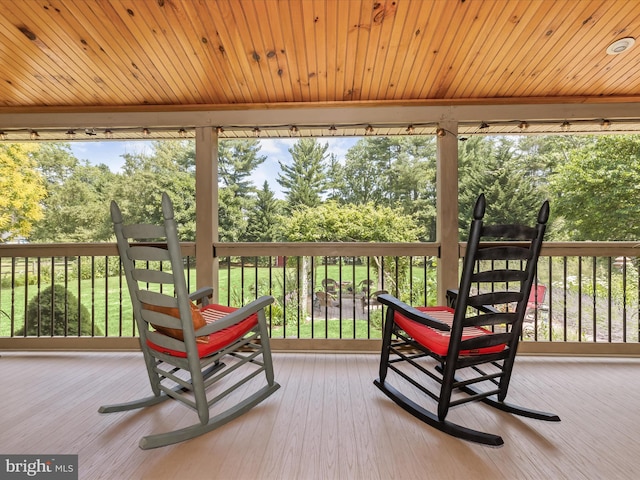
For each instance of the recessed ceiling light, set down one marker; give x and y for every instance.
(621, 45)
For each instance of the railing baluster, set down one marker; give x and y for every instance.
(53, 295)
(284, 298)
(106, 300)
(79, 293)
(594, 283)
(580, 332)
(550, 319)
(565, 265)
(65, 281)
(352, 290)
(270, 274)
(13, 298)
(297, 289)
(340, 297)
(120, 312)
(624, 300)
(93, 294)
(609, 298)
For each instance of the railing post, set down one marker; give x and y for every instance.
(206, 208)
(447, 207)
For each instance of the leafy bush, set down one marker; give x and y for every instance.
(66, 315)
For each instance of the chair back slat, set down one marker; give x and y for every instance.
(152, 276)
(511, 231)
(157, 299)
(490, 319)
(505, 252)
(143, 231)
(158, 319)
(149, 254)
(499, 275)
(498, 297)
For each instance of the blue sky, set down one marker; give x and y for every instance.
(110, 153)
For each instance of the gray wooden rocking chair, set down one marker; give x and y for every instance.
(184, 349)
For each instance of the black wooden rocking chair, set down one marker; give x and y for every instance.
(184, 344)
(474, 340)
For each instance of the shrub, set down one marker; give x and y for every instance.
(64, 306)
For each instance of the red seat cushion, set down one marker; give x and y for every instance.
(217, 340)
(438, 340)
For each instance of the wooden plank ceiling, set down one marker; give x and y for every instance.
(212, 54)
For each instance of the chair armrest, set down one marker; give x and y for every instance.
(235, 316)
(412, 313)
(452, 298)
(202, 296)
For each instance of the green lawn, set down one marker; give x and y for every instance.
(336, 329)
(107, 299)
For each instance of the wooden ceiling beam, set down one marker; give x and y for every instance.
(355, 113)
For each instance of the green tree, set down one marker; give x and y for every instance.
(180, 152)
(237, 160)
(397, 171)
(76, 208)
(263, 218)
(332, 222)
(494, 166)
(145, 176)
(55, 161)
(412, 180)
(541, 154)
(232, 215)
(22, 190)
(596, 191)
(363, 177)
(305, 180)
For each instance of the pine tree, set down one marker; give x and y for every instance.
(305, 181)
(263, 218)
(237, 160)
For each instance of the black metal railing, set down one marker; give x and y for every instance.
(586, 292)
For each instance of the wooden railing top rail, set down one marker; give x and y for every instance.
(333, 249)
(327, 249)
(69, 249)
(590, 249)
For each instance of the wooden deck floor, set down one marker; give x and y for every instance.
(328, 421)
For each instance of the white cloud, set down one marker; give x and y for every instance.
(276, 146)
(340, 146)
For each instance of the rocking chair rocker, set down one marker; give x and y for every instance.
(183, 352)
(475, 339)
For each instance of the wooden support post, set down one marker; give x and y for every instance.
(206, 208)
(447, 208)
